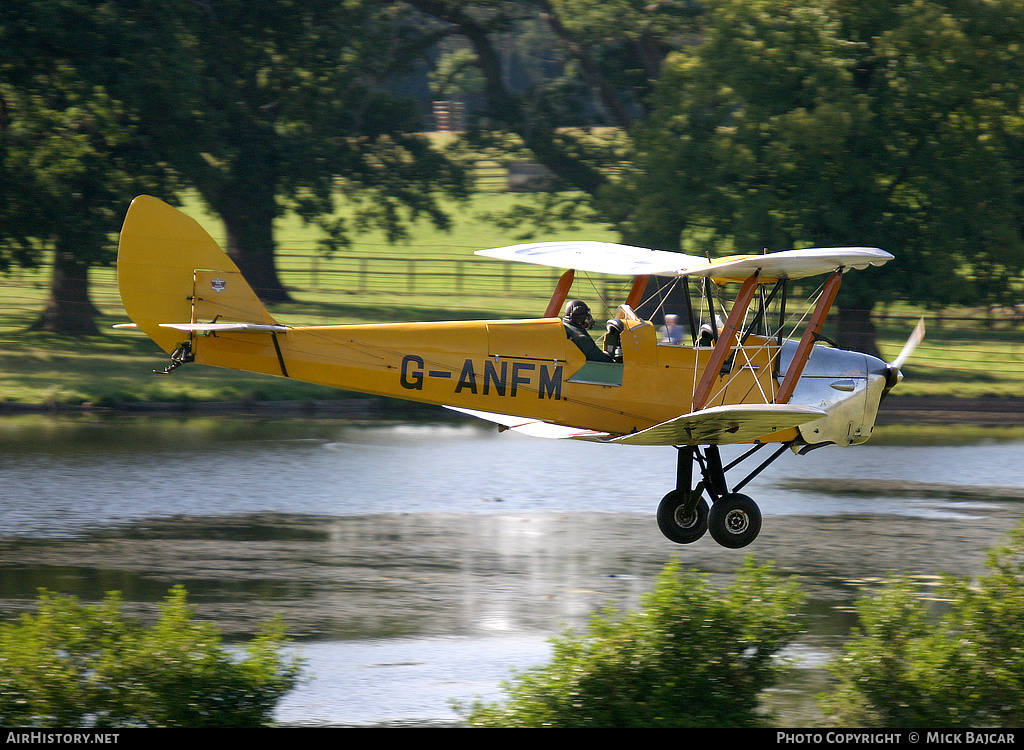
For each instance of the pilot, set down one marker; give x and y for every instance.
(577, 321)
(708, 333)
(671, 332)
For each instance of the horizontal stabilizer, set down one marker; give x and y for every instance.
(217, 327)
(721, 425)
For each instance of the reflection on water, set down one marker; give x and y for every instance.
(370, 576)
(314, 514)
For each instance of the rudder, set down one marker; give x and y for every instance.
(169, 270)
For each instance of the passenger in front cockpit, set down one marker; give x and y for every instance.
(671, 332)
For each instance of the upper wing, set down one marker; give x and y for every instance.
(792, 264)
(597, 257)
(626, 260)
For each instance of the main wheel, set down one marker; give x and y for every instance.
(734, 520)
(678, 525)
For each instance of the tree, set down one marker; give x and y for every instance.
(607, 58)
(71, 665)
(690, 657)
(71, 157)
(816, 123)
(286, 108)
(907, 667)
(263, 107)
(771, 125)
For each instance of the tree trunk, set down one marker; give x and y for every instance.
(249, 223)
(857, 329)
(69, 309)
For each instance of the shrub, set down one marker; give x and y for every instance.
(909, 667)
(72, 665)
(690, 657)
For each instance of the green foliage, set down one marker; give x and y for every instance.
(965, 668)
(816, 123)
(262, 106)
(455, 75)
(71, 152)
(289, 109)
(72, 665)
(691, 657)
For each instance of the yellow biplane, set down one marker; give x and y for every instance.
(735, 377)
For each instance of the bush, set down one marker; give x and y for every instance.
(72, 665)
(908, 667)
(691, 657)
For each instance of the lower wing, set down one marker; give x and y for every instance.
(719, 425)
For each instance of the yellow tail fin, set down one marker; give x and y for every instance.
(170, 271)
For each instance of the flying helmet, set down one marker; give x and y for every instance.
(578, 314)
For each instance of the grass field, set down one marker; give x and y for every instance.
(433, 276)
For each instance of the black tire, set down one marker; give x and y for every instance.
(680, 527)
(734, 521)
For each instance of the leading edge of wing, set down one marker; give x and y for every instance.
(720, 425)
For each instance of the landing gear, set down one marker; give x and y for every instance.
(733, 519)
(682, 517)
(180, 356)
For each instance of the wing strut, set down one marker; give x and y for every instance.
(636, 294)
(690, 319)
(727, 338)
(803, 350)
(559, 295)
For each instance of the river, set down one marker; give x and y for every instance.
(418, 562)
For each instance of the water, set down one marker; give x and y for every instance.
(61, 476)
(123, 469)
(405, 681)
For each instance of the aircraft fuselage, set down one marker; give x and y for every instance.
(530, 369)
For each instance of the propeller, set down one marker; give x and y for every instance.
(893, 370)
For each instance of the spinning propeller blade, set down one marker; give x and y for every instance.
(916, 337)
(895, 367)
